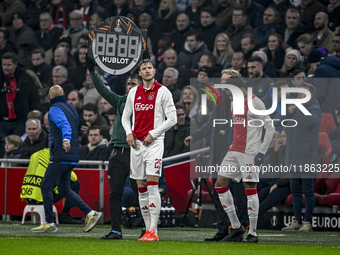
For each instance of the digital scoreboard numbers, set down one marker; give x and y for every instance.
(116, 45)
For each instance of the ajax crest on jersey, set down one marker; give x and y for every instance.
(116, 44)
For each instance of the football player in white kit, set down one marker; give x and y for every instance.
(148, 104)
(242, 161)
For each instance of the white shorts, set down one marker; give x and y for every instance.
(237, 165)
(146, 160)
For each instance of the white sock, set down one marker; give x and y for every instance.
(144, 208)
(90, 213)
(154, 206)
(227, 202)
(253, 210)
(51, 224)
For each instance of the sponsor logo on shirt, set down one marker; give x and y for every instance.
(143, 107)
(139, 98)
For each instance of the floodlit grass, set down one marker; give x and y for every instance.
(18, 239)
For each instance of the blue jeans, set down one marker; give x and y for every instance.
(58, 174)
(305, 185)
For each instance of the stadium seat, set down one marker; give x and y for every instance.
(38, 210)
(327, 123)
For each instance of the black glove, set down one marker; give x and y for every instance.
(145, 54)
(259, 159)
(90, 64)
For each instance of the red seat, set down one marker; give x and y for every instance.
(327, 123)
(324, 159)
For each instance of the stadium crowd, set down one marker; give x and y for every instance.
(43, 43)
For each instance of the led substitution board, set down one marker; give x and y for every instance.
(116, 44)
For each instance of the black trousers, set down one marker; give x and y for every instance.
(119, 169)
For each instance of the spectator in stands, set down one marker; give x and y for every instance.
(292, 28)
(308, 9)
(193, 49)
(327, 90)
(88, 7)
(23, 39)
(322, 36)
(302, 136)
(14, 108)
(299, 75)
(76, 99)
(171, 59)
(305, 44)
(5, 45)
(281, 6)
(203, 75)
(276, 188)
(249, 44)
(193, 10)
(209, 60)
(314, 59)
(12, 149)
(178, 35)
(209, 27)
(163, 44)
(96, 149)
(105, 107)
(60, 77)
(41, 68)
(80, 55)
(98, 17)
(111, 116)
(77, 27)
(271, 20)
(238, 27)
(89, 92)
(61, 57)
(268, 67)
(334, 137)
(92, 118)
(224, 11)
(174, 137)
(292, 62)
(145, 21)
(189, 101)
(33, 11)
(238, 63)
(333, 10)
(257, 79)
(144, 6)
(60, 10)
(167, 13)
(254, 12)
(335, 47)
(116, 8)
(47, 34)
(275, 50)
(170, 81)
(8, 9)
(36, 139)
(222, 50)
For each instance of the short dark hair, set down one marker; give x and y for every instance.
(144, 61)
(198, 35)
(94, 127)
(239, 8)
(134, 76)
(12, 56)
(209, 10)
(79, 94)
(39, 51)
(255, 59)
(111, 111)
(297, 71)
(211, 58)
(178, 106)
(91, 108)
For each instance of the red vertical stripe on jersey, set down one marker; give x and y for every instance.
(144, 107)
(240, 130)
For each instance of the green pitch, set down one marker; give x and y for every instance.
(18, 239)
